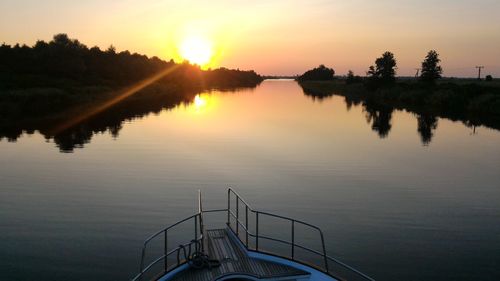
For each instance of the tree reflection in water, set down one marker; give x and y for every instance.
(379, 117)
(378, 113)
(427, 124)
(110, 120)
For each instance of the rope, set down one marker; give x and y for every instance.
(197, 260)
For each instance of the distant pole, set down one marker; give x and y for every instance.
(473, 130)
(418, 71)
(479, 72)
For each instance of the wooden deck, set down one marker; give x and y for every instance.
(234, 260)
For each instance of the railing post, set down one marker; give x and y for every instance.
(202, 235)
(196, 227)
(293, 239)
(237, 216)
(257, 231)
(143, 255)
(165, 251)
(246, 224)
(199, 220)
(324, 251)
(228, 207)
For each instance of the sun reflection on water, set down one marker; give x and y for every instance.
(199, 102)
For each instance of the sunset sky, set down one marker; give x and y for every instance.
(275, 37)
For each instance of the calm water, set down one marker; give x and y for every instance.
(399, 200)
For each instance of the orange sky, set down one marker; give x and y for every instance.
(275, 37)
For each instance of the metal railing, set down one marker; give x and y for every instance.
(166, 253)
(198, 239)
(257, 235)
(197, 242)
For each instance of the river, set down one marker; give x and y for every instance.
(399, 196)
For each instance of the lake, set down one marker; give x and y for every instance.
(399, 196)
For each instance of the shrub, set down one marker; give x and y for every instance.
(321, 73)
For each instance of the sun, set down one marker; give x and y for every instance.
(196, 50)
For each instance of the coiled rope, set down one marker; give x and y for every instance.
(197, 260)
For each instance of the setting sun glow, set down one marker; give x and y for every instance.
(196, 50)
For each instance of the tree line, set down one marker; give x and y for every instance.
(64, 61)
(383, 72)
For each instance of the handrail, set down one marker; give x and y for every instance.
(161, 258)
(198, 217)
(257, 236)
(198, 236)
(350, 268)
(287, 218)
(293, 221)
(243, 224)
(167, 228)
(200, 212)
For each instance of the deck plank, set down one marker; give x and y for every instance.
(234, 260)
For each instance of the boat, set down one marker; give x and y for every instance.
(236, 248)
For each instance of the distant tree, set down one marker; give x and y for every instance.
(61, 39)
(40, 44)
(350, 75)
(372, 72)
(320, 73)
(111, 49)
(351, 78)
(489, 78)
(431, 70)
(384, 69)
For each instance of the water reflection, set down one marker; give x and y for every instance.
(111, 120)
(427, 124)
(379, 116)
(199, 102)
(374, 198)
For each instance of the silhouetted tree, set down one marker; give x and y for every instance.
(431, 70)
(489, 78)
(384, 69)
(320, 73)
(372, 72)
(351, 78)
(350, 74)
(111, 49)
